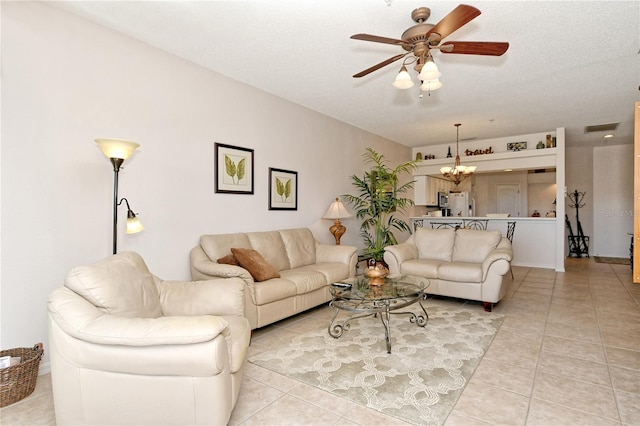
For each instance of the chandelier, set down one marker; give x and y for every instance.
(457, 173)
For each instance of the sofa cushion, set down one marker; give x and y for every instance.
(434, 244)
(300, 246)
(252, 261)
(273, 290)
(305, 281)
(332, 271)
(460, 272)
(120, 285)
(270, 245)
(474, 245)
(420, 267)
(218, 246)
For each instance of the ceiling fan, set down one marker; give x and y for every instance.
(421, 38)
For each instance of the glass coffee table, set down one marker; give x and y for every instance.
(355, 295)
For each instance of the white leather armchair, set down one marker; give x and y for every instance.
(129, 348)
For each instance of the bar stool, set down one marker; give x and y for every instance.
(480, 224)
(511, 227)
(417, 223)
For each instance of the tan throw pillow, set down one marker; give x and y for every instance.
(252, 261)
(229, 259)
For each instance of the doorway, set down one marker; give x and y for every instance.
(508, 199)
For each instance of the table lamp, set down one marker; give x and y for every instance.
(337, 211)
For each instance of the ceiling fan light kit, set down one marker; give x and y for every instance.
(429, 70)
(422, 38)
(403, 79)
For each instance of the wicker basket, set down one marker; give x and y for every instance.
(18, 381)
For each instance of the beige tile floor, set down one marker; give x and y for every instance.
(568, 353)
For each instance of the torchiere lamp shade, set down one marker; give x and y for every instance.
(117, 148)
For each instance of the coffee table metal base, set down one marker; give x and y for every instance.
(381, 308)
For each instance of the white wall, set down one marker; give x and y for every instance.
(66, 82)
(579, 165)
(541, 192)
(605, 174)
(613, 188)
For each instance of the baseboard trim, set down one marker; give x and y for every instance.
(45, 368)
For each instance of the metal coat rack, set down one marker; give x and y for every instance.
(578, 244)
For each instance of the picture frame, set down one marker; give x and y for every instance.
(516, 146)
(283, 189)
(233, 169)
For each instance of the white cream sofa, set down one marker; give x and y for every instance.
(462, 263)
(129, 348)
(305, 266)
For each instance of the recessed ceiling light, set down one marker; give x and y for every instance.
(608, 136)
(508, 170)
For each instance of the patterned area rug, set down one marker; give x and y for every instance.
(419, 382)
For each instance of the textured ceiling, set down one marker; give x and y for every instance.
(570, 64)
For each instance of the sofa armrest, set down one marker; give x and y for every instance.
(203, 268)
(396, 254)
(333, 253)
(342, 254)
(221, 296)
(502, 252)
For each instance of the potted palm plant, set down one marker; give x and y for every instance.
(380, 196)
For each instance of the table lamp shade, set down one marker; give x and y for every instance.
(337, 210)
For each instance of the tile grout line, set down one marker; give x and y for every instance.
(537, 367)
(604, 346)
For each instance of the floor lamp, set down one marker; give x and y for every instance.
(118, 150)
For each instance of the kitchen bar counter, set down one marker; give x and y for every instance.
(533, 238)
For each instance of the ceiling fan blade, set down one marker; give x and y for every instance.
(378, 39)
(492, 48)
(458, 17)
(380, 65)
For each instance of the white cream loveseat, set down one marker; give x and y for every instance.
(462, 263)
(305, 269)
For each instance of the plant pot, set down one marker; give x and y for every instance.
(376, 273)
